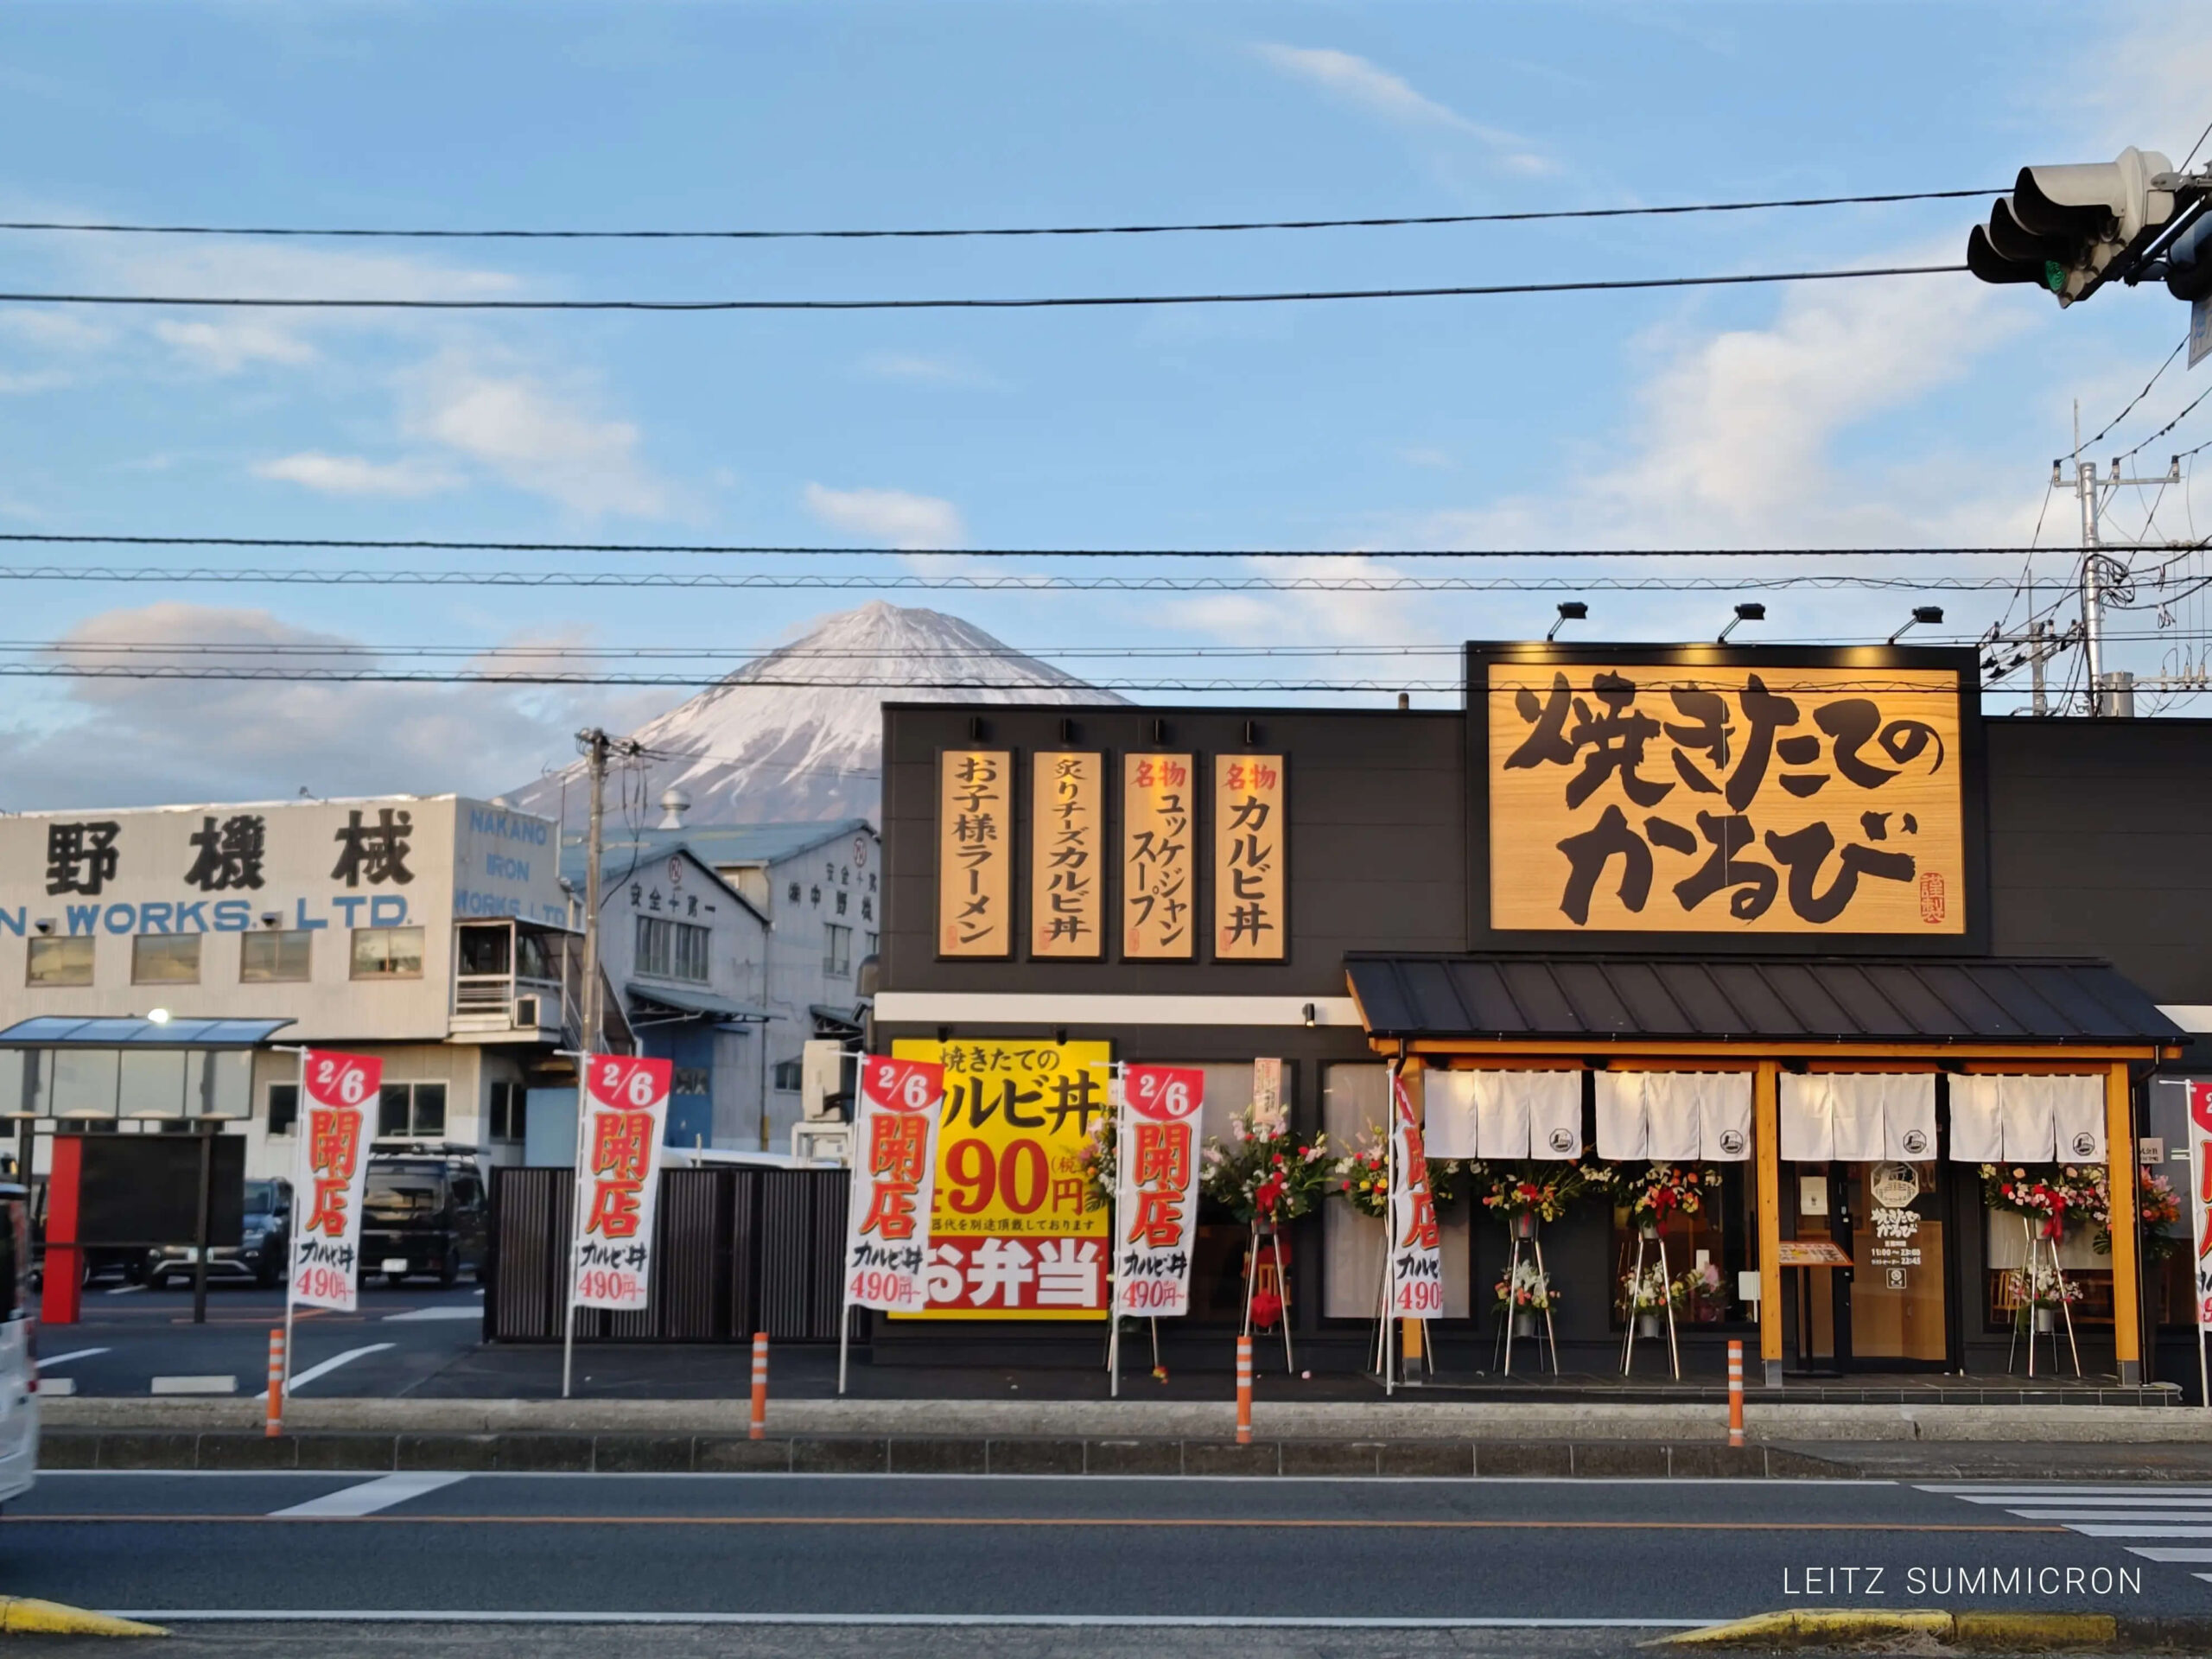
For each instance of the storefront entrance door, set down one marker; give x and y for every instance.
(1889, 1303)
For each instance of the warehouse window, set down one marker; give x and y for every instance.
(510, 1103)
(387, 953)
(61, 961)
(283, 1107)
(787, 1075)
(268, 958)
(411, 1109)
(669, 949)
(165, 959)
(837, 951)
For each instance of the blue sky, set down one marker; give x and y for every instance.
(1921, 411)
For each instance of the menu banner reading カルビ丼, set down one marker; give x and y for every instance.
(1010, 1235)
(1156, 1196)
(1416, 1251)
(1251, 859)
(625, 1111)
(1645, 796)
(330, 1168)
(2200, 1195)
(894, 1173)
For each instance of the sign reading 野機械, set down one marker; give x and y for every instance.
(1010, 1237)
(1680, 798)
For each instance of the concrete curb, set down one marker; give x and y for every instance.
(1426, 1418)
(2005, 1632)
(22, 1615)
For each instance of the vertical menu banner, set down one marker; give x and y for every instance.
(1251, 861)
(894, 1179)
(625, 1113)
(1067, 856)
(1416, 1252)
(2200, 1197)
(975, 852)
(330, 1168)
(1158, 895)
(1156, 1191)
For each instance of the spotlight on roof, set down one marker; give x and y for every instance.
(1745, 612)
(1923, 616)
(1570, 610)
(159, 1016)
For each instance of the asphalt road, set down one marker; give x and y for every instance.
(934, 1554)
(400, 1339)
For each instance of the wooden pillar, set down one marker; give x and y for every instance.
(1766, 1149)
(2126, 1283)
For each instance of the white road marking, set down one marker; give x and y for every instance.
(2200, 1514)
(2133, 1502)
(2151, 1552)
(124, 1290)
(1043, 1621)
(2089, 1531)
(195, 1385)
(55, 1387)
(2000, 1492)
(331, 1364)
(47, 1364)
(424, 1315)
(369, 1497)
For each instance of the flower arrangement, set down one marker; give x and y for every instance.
(1095, 1163)
(1526, 1290)
(1264, 1173)
(2160, 1207)
(1658, 1191)
(1698, 1293)
(2049, 1195)
(1647, 1292)
(2042, 1286)
(1364, 1176)
(1543, 1190)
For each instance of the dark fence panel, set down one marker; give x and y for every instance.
(735, 1250)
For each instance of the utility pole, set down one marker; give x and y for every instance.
(597, 747)
(2101, 572)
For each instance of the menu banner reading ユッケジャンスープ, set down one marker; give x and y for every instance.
(894, 1173)
(1011, 1235)
(1159, 888)
(618, 1179)
(329, 1172)
(1643, 797)
(1156, 1188)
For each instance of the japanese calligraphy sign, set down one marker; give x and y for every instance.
(1417, 1250)
(1009, 1237)
(1159, 891)
(2200, 1197)
(1156, 1189)
(1251, 859)
(626, 1109)
(975, 852)
(1724, 798)
(894, 1175)
(1067, 855)
(330, 1166)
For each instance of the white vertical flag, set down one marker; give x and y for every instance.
(330, 1166)
(626, 1110)
(894, 1181)
(1416, 1256)
(1155, 1188)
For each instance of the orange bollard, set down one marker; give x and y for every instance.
(760, 1385)
(1735, 1394)
(1243, 1390)
(275, 1424)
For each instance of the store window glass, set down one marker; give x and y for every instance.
(1354, 1113)
(1702, 1252)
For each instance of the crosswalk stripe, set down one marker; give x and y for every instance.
(2090, 1505)
(2091, 1531)
(2060, 1489)
(2178, 1557)
(370, 1496)
(2162, 1517)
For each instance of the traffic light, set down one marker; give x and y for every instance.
(2188, 260)
(2063, 226)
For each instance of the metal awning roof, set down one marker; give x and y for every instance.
(1677, 999)
(70, 1031)
(703, 1004)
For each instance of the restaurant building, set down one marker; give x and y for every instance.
(1803, 922)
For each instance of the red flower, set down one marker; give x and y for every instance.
(1266, 1308)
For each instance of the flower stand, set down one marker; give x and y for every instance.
(1648, 1236)
(1525, 1239)
(1268, 1279)
(2035, 1316)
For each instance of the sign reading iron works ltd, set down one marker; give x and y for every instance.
(1723, 797)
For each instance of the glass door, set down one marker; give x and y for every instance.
(1889, 1312)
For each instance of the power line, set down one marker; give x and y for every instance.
(1593, 285)
(765, 550)
(2169, 426)
(1376, 222)
(2132, 402)
(1388, 583)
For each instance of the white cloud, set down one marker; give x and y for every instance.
(53, 330)
(534, 437)
(149, 739)
(894, 517)
(1356, 80)
(227, 346)
(355, 475)
(18, 385)
(912, 366)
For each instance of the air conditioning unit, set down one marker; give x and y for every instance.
(526, 1014)
(822, 1068)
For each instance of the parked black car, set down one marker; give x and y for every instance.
(264, 1252)
(423, 1213)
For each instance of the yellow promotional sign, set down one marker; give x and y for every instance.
(1009, 1237)
(1641, 797)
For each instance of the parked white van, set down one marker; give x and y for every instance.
(18, 1351)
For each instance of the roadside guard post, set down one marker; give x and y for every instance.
(760, 1385)
(1243, 1390)
(1735, 1394)
(276, 1425)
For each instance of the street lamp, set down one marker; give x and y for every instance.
(1745, 612)
(1923, 616)
(1570, 610)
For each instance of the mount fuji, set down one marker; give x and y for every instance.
(780, 741)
